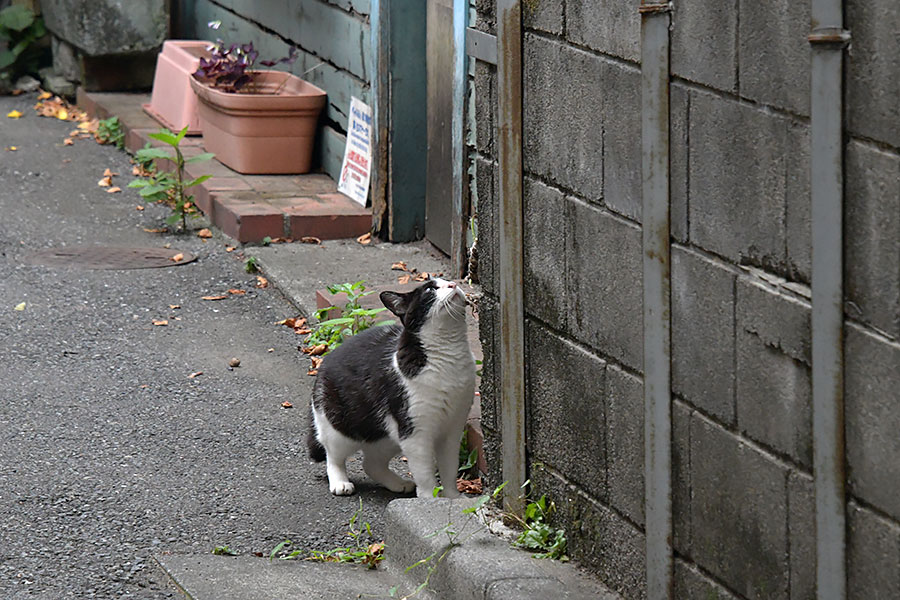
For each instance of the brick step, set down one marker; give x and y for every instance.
(247, 208)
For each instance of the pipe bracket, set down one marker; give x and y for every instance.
(829, 35)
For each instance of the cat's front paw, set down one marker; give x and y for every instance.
(342, 488)
(405, 487)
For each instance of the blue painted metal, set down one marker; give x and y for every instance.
(458, 144)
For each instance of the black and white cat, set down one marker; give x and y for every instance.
(400, 388)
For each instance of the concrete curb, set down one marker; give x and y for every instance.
(483, 566)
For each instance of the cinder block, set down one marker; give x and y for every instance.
(572, 383)
(872, 413)
(679, 106)
(703, 42)
(598, 537)
(872, 64)
(681, 477)
(608, 26)
(546, 231)
(738, 513)
(625, 443)
(604, 283)
(737, 180)
(774, 53)
(691, 584)
(485, 107)
(774, 394)
(622, 139)
(873, 555)
(802, 532)
(563, 136)
(488, 226)
(872, 236)
(798, 226)
(703, 333)
(543, 15)
(488, 316)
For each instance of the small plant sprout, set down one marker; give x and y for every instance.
(223, 551)
(170, 187)
(250, 265)
(330, 333)
(363, 551)
(109, 131)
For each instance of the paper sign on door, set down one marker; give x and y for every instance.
(354, 181)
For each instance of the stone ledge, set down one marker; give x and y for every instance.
(247, 208)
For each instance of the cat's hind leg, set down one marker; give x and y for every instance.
(376, 460)
(338, 449)
(448, 463)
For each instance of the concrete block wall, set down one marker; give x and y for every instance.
(332, 40)
(743, 490)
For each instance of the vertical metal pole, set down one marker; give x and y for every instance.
(512, 315)
(828, 40)
(458, 140)
(656, 297)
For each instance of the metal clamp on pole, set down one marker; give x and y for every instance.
(829, 35)
(655, 8)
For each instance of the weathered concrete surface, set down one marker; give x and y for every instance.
(101, 27)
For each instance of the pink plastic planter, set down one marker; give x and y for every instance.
(173, 102)
(271, 131)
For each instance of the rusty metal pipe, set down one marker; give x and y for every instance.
(828, 40)
(656, 297)
(512, 254)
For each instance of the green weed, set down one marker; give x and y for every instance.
(353, 319)
(109, 131)
(224, 551)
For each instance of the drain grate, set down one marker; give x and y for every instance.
(109, 257)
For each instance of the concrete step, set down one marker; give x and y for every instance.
(247, 208)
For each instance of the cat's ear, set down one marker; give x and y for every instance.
(395, 302)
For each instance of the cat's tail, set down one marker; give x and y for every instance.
(316, 450)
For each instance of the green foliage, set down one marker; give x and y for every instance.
(362, 552)
(223, 551)
(170, 187)
(20, 29)
(467, 458)
(250, 265)
(353, 318)
(538, 534)
(109, 131)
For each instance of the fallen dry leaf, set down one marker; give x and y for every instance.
(138, 207)
(44, 95)
(315, 361)
(403, 279)
(105, 182)
(466, 486)
(399, 266)
(156, 230)
(204, 233)
(312, 372)
(261, 282)
(318, 350)
(108, 173)
(237, 292)
(195, 374)
(116, 190)
(309, 239)
(87, 125)
(20, 306)
(11, 148)
(177, 258)
(213, 297)
(229, 249)
(286, 404)
(303, 331)
(17, 92)
(174, 306)
(14, 114)
(62, 114)
(160, 322)
(68, 142)
(365, 239)
(270, 350)
(423, 276)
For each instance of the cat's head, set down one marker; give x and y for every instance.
(435, 300)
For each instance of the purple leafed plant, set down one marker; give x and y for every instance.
(230, 68)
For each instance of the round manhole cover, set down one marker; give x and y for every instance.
(109, 257)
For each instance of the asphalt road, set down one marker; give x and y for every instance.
(109, 452)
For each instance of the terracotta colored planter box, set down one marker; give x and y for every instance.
(173, 102)
(270, 131)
